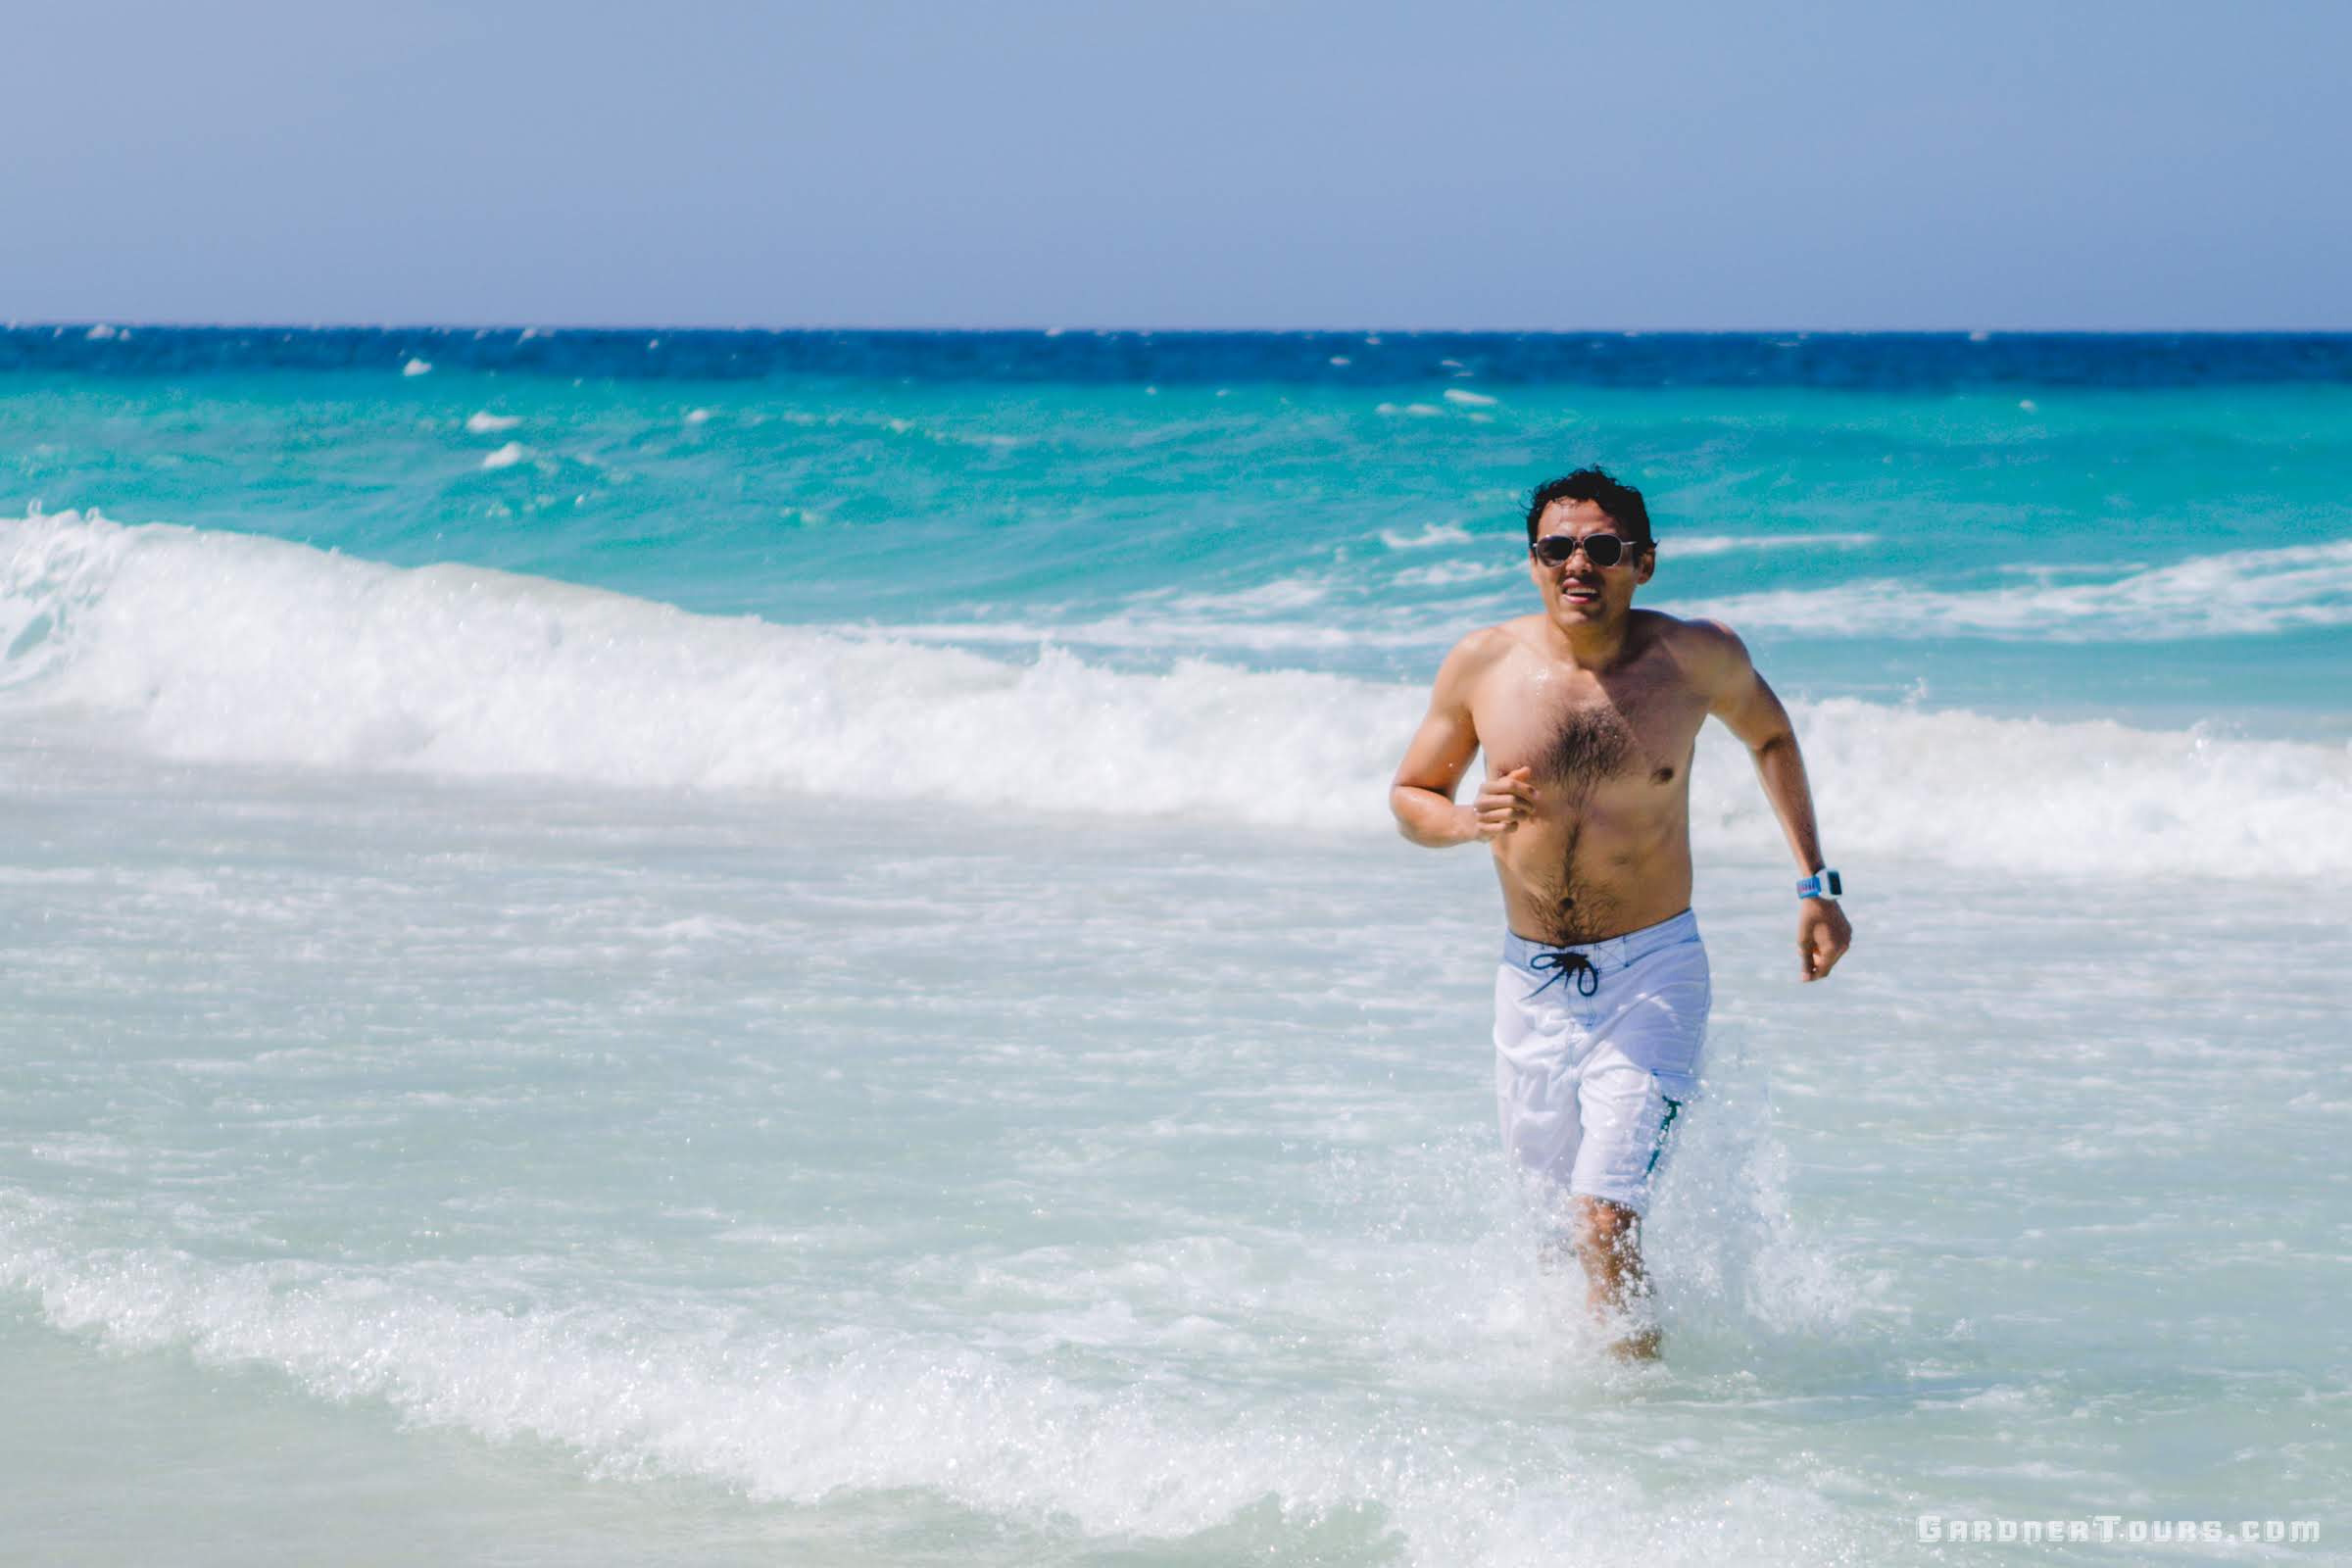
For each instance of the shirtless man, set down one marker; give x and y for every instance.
(1589, 713)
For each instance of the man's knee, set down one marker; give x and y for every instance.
(1607, 1227)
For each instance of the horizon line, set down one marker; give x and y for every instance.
(132, 324)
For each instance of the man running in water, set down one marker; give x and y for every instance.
(1589, 712)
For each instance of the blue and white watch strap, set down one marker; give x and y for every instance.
(1822, 885)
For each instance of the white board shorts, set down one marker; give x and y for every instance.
(1597, 1050)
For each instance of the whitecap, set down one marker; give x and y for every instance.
(1683, 546)
(1447, 573)
(2251, 593)
(1431, 533)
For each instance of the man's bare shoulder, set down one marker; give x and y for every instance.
(1687, 635)
(1709, 652)
(1487, 647)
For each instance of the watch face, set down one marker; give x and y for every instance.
(1834, 883)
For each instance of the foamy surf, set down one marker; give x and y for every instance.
(2239, 593)
(225, 648)
(1414, 1285)
(808, 1421)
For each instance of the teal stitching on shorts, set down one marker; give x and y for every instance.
(1658, 1150)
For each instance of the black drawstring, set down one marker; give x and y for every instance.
(1561, 963)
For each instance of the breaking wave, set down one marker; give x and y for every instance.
(217, 646)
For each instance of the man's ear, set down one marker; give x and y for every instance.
(1649, 565)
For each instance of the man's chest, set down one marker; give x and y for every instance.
(1573, 727)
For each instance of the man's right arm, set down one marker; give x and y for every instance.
(1422, 795)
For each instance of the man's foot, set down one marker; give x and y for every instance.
(1642, 1346)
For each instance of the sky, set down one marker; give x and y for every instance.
(2057, 165)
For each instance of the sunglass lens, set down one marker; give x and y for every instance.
(1601, 549)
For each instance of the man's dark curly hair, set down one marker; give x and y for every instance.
(1622, 502)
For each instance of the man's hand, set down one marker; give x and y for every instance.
(1822, 937)
(1505, 802)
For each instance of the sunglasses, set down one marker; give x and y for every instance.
(1600, 549)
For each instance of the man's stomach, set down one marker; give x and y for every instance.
(1587, 879)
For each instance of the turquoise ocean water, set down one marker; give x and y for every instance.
(643, 947)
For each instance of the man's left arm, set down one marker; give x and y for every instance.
(1738, 695)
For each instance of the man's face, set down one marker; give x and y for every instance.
(1579, 593)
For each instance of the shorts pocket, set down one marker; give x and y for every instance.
(1665, 1031)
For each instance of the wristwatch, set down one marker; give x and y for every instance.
(1821, 885)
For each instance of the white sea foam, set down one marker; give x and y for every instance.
(1447, 573)
(805, 1420)
(1257, 620)
(485, 422)
(1434, 533)
(1468, 400)
(2246, 593)
(1161, 629)
(233, 648)
(991, 1436)
(1677, 546)
(507, 456)
(1283, 593)
(417, 367)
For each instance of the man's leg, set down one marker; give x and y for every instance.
(1608, 1243)
(1626, 1117)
